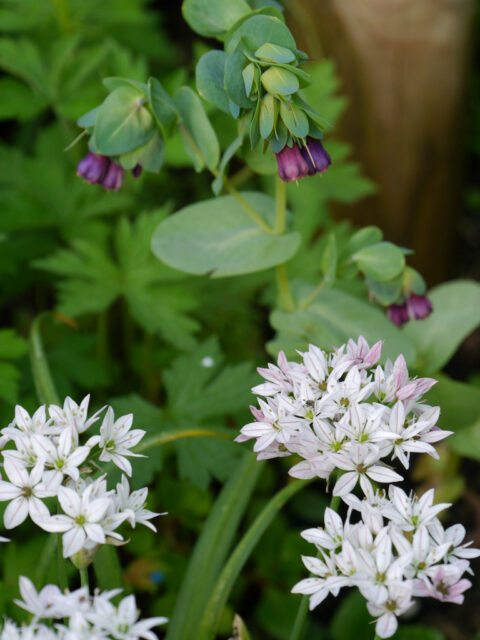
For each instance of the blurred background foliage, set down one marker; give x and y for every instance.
(179, 351)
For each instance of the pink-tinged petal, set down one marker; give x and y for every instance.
(9, 491)
(43, 446)
(69, 501)
(38, 511)
(16, 472)
(436, 435)
(400, 371)
(73, 541)
(345, 483)
(57, 524)
(386, 625)
(15, 513)
(373, 356)
(378, 473)
(400, 500)
(95, 532)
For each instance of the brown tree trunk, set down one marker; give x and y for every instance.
(403, 66)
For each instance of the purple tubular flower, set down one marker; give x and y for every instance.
(93, 168)
(113, 179)
(398, 314)
(291, 164)
(316, 156)
(419, 307)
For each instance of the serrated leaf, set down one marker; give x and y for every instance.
(218, 237)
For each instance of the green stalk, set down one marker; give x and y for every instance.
(254, 215)
(171, 436)
(318, 289)
(242, 552)
(44, 385)
(212, 548)
(84, 578)
(299, 624)
(286, 298)
(45, 560)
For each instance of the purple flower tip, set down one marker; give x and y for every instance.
(419, 307)
(97, 169)
(137, 170)
(291, 164)
(299, 162)
(316, 156)
(114, 177)
(93, 167)
(398, 314)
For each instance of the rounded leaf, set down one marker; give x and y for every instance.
(258, 30)
(275, 53)
(209, 77)
(380, 261)
(211, 18)
(280, 81)
(218, 237)
(123, 123)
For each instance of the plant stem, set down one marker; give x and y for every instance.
(171, 436)
(286, 299)
(320, 287)
(84, 578)
(61, 566)
(299, 624)
(254, 215)
(45, 560)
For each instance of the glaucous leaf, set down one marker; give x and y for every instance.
(218, 237)
(123, 123)
(198, 130)
(381, 261)
(212, 18)
(259, 29)
(279, 81)
(163, 107)
(209, 74)
(456, 313)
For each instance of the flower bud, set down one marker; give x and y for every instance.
(291, 164)
(398, 314)
(419, 307)
(316, 156)
(93, 167)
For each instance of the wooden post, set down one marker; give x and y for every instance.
(403, 65)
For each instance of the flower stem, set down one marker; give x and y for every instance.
(286, 298)
(42, 377)
(84, 578)
(299, 624)
(61, 565)
(320, 287)
(254, 215)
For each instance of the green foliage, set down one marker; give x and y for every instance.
(382, 261)
(12, 347)
(456, 314)
(95, 275)
(213, 18)
(217, 237)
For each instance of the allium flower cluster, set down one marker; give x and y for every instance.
(343, 411)
(47, 455)
(398, 550)
(77, 615)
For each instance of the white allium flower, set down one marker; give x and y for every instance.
(133, 505)
(116, 440)
(24, 423)
(122, 622)
(81, 522)
(452, 537)
(64, 456)
(397, 600)
(41, 604)
(410, 512)
(25, 490)
(73, 416)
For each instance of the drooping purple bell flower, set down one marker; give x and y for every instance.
(291, 164)
(113, 179)
(316, 156)
(136, 171)
(93, 167)
(398, 314)
(419, 307)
